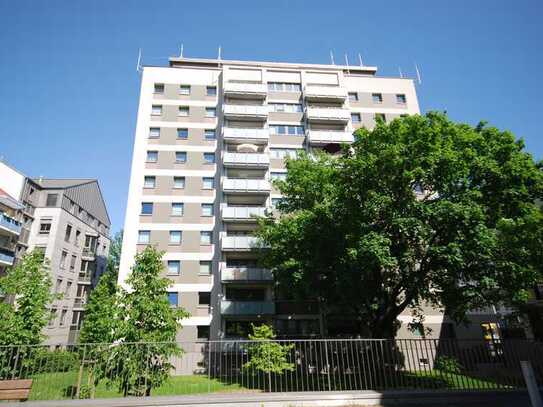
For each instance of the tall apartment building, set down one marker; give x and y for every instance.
(211, 135)
(68, 220)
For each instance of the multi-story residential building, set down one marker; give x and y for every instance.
(211, 136)
(68, 220)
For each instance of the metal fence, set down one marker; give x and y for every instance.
(99, 370)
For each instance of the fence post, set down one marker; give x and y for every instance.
(327, 364)
(531, 383)
(80, 375)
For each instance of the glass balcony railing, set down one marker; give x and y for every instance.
(247, 307)
(246, 111)
(246, 159)
(327, 137)
(325, 92)
(246, 185)
(239, 242)
(246, 89)
(327, 114)
(240, 274)
(7, 257)
(256, 135)
(242, 213)
(12, 225)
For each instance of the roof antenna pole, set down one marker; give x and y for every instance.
(332, 57)
(219, 57)
(347, 63)
(401, 73)
(138, 65)
(181, 52)
(360, 59)
(418, 74)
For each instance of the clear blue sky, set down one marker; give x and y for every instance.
(69, 89)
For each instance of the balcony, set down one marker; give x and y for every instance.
(245, 274)
(245, 112)
(7, 257)
(320, 137)
(327, 114)
(246, 160)
(8, 225)
(325, 93)
(242, 213)
(73, 335)
(245, 185)
(88, 253)
(297, 308)
(80, 302)
(84, 278)
(245, 135)
(239, 243)
(246, 90)
(247, 307)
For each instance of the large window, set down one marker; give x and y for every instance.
(202, 332)
(51, 200)
(152, 156)
(204, 298)
(285, 129)
(179, 182)
(211, 91)
(184, 89)
(45, 228)
(205, 267)
(284, 87)
(144, 236)
(401, 99)
(278, 175)
(147, 208)
(285, 107)
(156, 110)
(208, 183)
(154, 132)
(209, 158)
(207, 209)
(205, 237)
(377, 97)
(180, 157)
(149, 181)
(159, 88)
(175, 236)
(353, 96)
(173, 299)
(177, 208)
(282, 153)
(211, 112)
(209, 134)
(184, 111)
(174, 267)
(355, 117)
(68, 233)
(182, 133)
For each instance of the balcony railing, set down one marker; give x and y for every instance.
(238, 274)
(296, 307)
(88, 252)
(246, 160)
(259, 90)
(325, 92)
(7, 257)
(246, 134)
(247, 307)
(328, 114)
(84, 277)
(327, 137)
(246, 111)
(7, 222)
(234, 243)
(246, 185)
(243, 213)
(80, 302)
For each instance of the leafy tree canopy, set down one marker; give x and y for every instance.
(421, 210)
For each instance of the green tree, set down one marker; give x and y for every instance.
(266, 355)
(146, 317)
(115, 249)
(29, 284)
(418, 211)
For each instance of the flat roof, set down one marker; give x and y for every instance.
(215, 63)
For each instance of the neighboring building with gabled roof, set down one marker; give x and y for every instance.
(68, 220)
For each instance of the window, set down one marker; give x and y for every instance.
(205, 237)
(211, 112)
(184, 89)
(205, 268)
(377, 97)
(202, 332)
(154, 132)
(278, 175)
(179, 182)
(284, 87)
(379, 117)
(149, 181)
(68, 233)
(63, 317)
(45, 228)
(52, 317)
(211, 91)
(152, 156)
(287, 130)
(147, 208)
(51, 200)
(183, 133)
(159, 88)
(353, 96)
(401, 99)
(204, 298)
(181, 157)
(286, 107)
(77, 237)
(207, 209)
(281, 153)
(209, 158)
(72, 262)
(57, 285)
(156, 110)
(173, 299)
(355, 117)
(209, 134)
(177, 208)
(144, 236)
(68, 289)
(275, 201)
(183, 111)
(175, 237)
(208, 183)
(63, 257)
(174, 267)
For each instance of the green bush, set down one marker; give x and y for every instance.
(56, 361)
(448, 364)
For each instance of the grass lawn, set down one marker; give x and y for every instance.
(61, 385)
(438, 379)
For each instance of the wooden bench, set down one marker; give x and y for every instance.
(15, 389)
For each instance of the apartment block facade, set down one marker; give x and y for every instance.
(68, 220)
(211, 136)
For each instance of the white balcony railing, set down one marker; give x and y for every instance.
(246, 274)
(246, 159)
(246, 185)
(327, 137)
(247, 307)
(328, 114)
(230, 133)
(246, 111)
(256, 89)
(239, 242)
(242, 212)
(325, 92)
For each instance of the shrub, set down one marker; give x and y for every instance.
(56, 361)
(447, 364)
